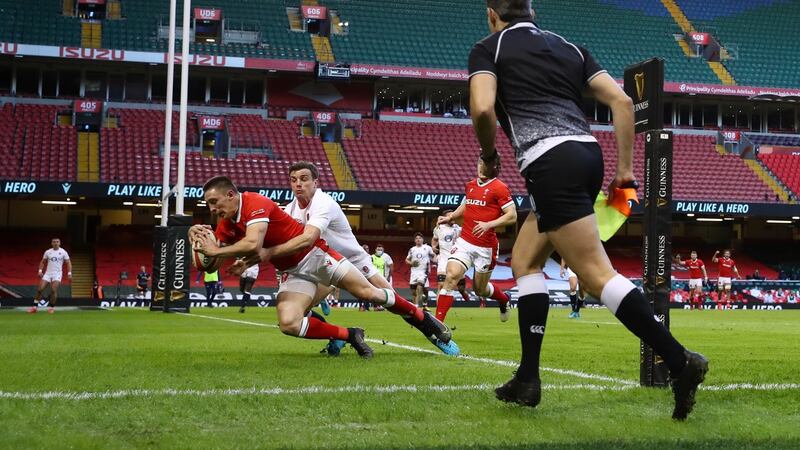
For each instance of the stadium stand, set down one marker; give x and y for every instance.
(785, 167)
(34, 147)
(761, 31)
(38, 22)
(775, 139)
(405, 149)
(139, 29)
(413, 39)
(131, 153)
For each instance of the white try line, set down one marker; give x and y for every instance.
(497, 362)
(355, 389)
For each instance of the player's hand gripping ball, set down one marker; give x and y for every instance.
(200, 260)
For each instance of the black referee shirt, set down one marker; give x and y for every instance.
(540, 80)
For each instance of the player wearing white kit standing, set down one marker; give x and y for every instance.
(419, 258)
(576, 294)
(246, 282)
(51, 268)
(444, 236)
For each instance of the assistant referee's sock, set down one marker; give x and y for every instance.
(632, 309)
(400, 306)
(444, 301)
(532, 307)
(313, 328)
(496, 294)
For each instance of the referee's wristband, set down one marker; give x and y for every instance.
(489, 158)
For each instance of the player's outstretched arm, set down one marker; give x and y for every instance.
(307, 239)
(678, 260)
(714, 258)
(608, 92)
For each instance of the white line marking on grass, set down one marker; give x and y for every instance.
(596, 322)
(355, 389)
(496, 362)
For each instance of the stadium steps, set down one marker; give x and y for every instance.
(340, 166)
(307, 131)
(322, 49)
(722, 73)
(91, 34)
(678, 16)
(114, 10)
(82, 273)
(349, 133)
(721, 150)
(89, 157)
(685, 47)
(295, 22)
(769, 179)
(68, 8)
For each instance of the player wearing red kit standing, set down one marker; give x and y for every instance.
(697, 274)
(252, 226)
(727, 268)
(487, 205)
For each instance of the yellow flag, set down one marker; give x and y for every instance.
(611, 216)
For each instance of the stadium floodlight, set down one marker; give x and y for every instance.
(709, 219)
(795, 217)
(58, 202)
(690, 215)
(127, 203)
(149, 205)
(428, 208)
(784, 222)
(407, 211)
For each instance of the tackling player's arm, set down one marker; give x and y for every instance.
(310, 235)
(435, 243)
(249, 245)
(608, 92)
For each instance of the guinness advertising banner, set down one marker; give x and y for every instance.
(644, 84)
(657, 244)
(178, 277)
(159, 281)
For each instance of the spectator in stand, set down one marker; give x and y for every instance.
(768, 297)
(756, 276)
(782, 275)
(792, 297)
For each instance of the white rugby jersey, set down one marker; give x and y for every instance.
(55, 260)
(251, 272)
(447, 235)
(324, 213)
(423, 255)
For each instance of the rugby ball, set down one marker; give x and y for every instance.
(203, 262)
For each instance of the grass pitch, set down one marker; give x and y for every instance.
(132, 378)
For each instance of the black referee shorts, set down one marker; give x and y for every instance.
(564, 182)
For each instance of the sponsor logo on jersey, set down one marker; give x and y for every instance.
(472, 201)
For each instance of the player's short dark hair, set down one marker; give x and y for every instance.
(509, 10)
(492, 167)
(220, 183)
(418, 234)
(300, 165)
(379, 245)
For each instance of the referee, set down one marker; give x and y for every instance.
(532, 80)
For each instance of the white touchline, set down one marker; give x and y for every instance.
(354, 389)
(497, 362)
